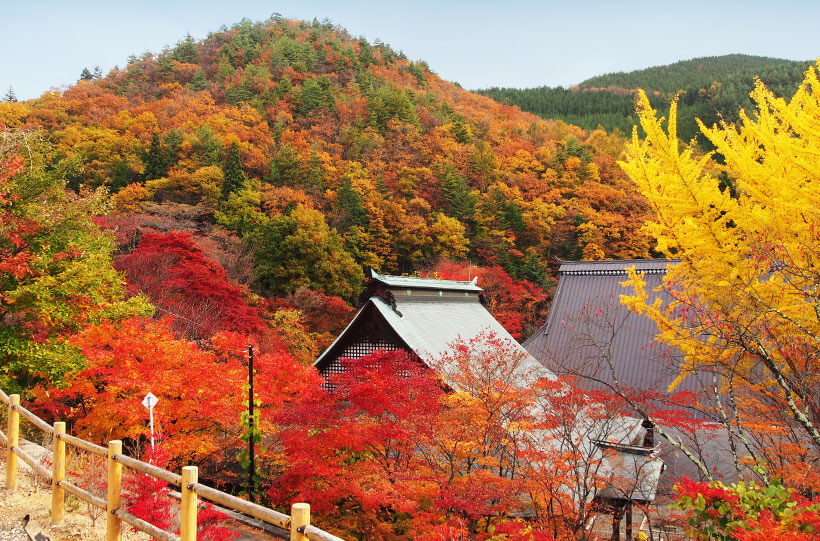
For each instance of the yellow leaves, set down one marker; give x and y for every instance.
(12, 113)
(745, 285)
(637, 301)
(692, 211)
(449, 237)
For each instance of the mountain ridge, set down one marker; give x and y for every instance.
(710, 88)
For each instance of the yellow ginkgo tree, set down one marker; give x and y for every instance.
(746, 293)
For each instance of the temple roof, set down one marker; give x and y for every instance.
(429, 316)
(587, 325)
(414, 282)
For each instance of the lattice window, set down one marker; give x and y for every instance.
(356, 350)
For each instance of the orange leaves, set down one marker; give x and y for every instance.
(391, 117)
(200, 390)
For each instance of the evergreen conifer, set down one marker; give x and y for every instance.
(154, 160)
(232, 170)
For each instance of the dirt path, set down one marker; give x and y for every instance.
(33, 498)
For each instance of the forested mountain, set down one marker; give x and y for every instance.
(317, 155)
(710, 88)
(157, 220)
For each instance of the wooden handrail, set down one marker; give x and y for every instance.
(316, 534)
(92, 448)
(298, 522)
(33, 419)
(232, 502)
(84, 495)
(149, 469)
(145, 527)
(31, 461)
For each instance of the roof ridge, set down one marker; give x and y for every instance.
(615, 267)
(417, 282)
(609, 272)
(616, 261)
(377, 276)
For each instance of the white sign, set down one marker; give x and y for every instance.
(149, 402)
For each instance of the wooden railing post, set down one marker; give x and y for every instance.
(57, 475)
(13, 435)
(299, 517)
(113, 525)
(188, 508)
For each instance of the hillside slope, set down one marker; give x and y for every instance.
(711, 88)
(303, 155)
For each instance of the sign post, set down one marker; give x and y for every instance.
(149, 402)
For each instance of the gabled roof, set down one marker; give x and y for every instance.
(587, 323)
(429, 321)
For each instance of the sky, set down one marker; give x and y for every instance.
(45, 44)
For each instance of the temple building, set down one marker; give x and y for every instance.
(420, 315)
(427, 316)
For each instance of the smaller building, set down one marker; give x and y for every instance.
(427, 316)
(590, 336)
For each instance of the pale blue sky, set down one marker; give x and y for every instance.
(478, 43)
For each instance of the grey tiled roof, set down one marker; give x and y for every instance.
(587, 325)
(429, 325)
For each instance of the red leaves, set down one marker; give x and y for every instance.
(355, 450)
(518, 305)
(194, 290)
(391, 453)
(147, 497)
(325, 314)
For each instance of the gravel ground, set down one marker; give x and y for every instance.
(33, 498)
(13, 532)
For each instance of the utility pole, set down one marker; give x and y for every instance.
(252, 469)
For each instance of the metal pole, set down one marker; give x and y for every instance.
(250, 423)
(151, 414)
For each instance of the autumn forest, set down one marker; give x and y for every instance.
(158, 219)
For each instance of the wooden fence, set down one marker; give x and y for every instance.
(298, 523)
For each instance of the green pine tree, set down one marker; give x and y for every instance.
(459, 199)
(311, 96)
(199, 82)
(286, 168)
(348, 206)
(232, 170)
(154, 160)
(10, 96)
(123, 176)
(186, 51)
